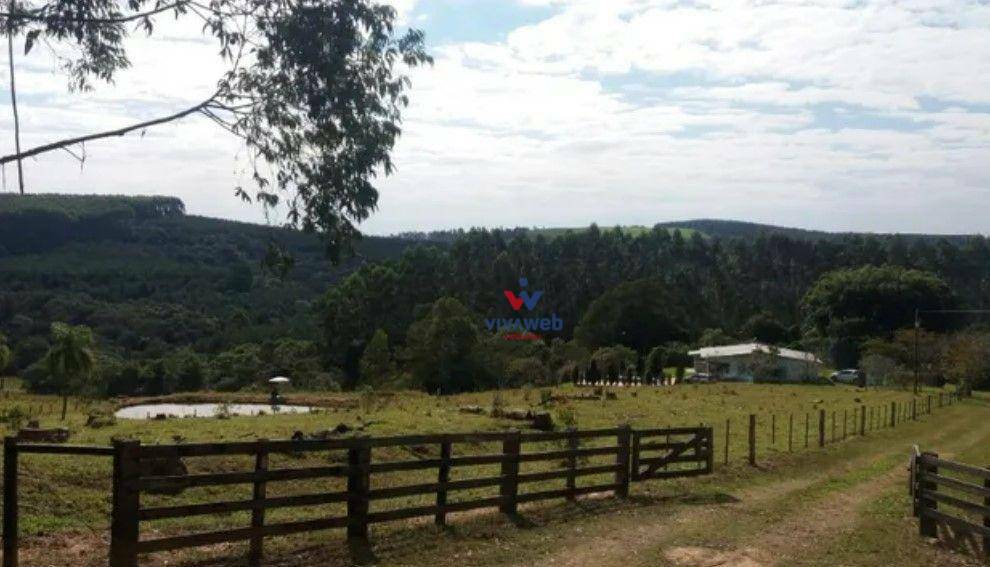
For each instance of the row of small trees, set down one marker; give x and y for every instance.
(446, 352)
(962, 358)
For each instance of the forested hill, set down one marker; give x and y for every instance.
(149, 279)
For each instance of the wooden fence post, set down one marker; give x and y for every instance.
(862, 421)
(790, 433)
(845, 423)
(986, 518)
(257, 549)
(773, 430)
(893, 414)
(710, 443)
(633, 464)
(443, 477)
(126, 501)
(927, 525)
(509, 489)
(10, 502)
(929, 404)
(358, 485)
(752, 439)
(914, 409)
(622, 461)
(727, 440)
(821, 428)
(807, 422)
(833, 426)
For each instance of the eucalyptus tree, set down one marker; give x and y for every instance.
(313, 88)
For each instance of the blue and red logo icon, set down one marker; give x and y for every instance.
(524, 297)
(524, 328)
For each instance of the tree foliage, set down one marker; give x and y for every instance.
(313, 88)
(613, 360)
(442, 349)
(638, 314)
(765, 328)
(71, 360)
(377, 368)
(655, 363)
(967, 361)
(872, 300)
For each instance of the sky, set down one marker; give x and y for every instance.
(868, 115)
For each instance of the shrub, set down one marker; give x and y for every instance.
(546, 396)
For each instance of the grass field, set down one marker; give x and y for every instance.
(740, 512)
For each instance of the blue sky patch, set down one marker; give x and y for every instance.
(452, 21)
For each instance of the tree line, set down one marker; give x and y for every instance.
(187, 303)
(658, 288)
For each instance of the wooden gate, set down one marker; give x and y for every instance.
(670, 453)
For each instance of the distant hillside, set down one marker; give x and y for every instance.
(450, 236)
(631, 230)
(705, 227)
(741, 229)
(149, 278)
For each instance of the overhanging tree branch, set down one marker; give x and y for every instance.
(319, 101)
(39, 15)
(109, 133)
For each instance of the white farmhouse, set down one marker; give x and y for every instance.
(738, 362)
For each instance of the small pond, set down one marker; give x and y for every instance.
(149, 411)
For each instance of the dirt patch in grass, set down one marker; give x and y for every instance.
(707, 557)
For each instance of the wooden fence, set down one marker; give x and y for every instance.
(823, 427)
(690, 450)
(12, 449)
(132, 478)
(951, 493)
(633, 455)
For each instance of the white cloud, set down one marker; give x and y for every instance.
(625, 111)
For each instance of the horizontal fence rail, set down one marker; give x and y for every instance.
(359, 473)
(954, 494)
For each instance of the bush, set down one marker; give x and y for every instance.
(38, 380)
(566, 417)
(546, 397)
(15, 417)
(97, 420)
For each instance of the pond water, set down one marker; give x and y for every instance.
(149, 411)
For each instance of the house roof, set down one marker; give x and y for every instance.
(744, 349)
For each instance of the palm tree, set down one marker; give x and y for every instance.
(71, 360)
(5, 357)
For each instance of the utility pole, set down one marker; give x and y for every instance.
(13, 97)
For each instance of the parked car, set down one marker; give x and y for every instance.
(852, 376)
(699, 378)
